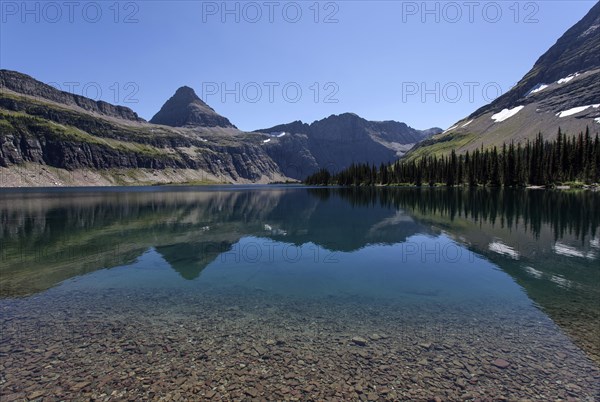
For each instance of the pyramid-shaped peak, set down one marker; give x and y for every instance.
(187, 92)
(186, 109)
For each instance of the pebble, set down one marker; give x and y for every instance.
(36, 395)
(501, 363)
(357, 340)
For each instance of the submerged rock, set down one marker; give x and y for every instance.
(357, 340)
(501, 363)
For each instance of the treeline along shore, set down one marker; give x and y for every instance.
(565, 160)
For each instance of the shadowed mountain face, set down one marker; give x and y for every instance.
(338, 141)
(561, 90)
(351, 127)
(186, 109)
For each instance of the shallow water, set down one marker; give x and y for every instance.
(296, 293)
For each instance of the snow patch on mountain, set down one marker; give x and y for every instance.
(575, 110)
(506, 114)
(450, 129)
(589, 31)
(466, 124)
(537, 88)
(568, 78)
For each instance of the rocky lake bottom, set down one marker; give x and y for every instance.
(220, 345)
(291, 293)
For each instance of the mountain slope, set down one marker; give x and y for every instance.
(338, 141)
(23, 84)
(186, 109)
(52, 137)
(561, 90)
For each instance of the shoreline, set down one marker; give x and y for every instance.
(594, 187)
(41, 176)
(47, 177)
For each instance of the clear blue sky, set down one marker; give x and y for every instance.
(375, 58)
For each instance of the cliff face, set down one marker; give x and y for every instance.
(292, 153)
(26, 85)
(48, 129)
(47, 148)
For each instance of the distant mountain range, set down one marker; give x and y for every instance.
(561, 90)
(50, 137)
(339, 140)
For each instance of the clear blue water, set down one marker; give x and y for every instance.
(424, 269)
(482, 274)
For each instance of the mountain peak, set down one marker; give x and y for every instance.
(560, 92)
(186, 109)
(575, 52)
(187, 92)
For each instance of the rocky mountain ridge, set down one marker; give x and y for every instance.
(561, 90)
(338, 141)
(42, 128)
(23, 84)
(48, 128)
(577, 51)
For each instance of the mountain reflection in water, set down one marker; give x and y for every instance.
(545, 240)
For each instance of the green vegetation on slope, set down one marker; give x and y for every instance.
(22, 123)
(441, 145)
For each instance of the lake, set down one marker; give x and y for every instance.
(295, 293)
